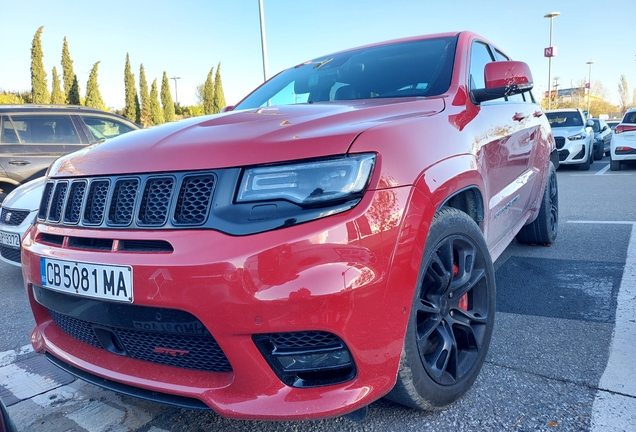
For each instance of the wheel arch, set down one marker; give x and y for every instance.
(469, 200)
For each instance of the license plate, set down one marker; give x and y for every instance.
(10, 239)
(106, 282)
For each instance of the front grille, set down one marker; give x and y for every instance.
(141, 201)
(79, 329)
(13, 217)
(198, 352)
(560, 142)
(10, 254)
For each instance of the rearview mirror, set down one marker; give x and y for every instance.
(503, 78)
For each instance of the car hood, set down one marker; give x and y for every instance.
(240, 138)
(567, 131)
(26, 196)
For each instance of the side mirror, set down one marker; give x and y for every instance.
(503, 78)
(227, 108)
(604, 129)
(590, 123)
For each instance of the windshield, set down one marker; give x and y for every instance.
(564, 119)
(417, 68)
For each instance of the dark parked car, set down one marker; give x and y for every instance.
(33, 136)
(612, 123)
(602, 138)
(328, 242)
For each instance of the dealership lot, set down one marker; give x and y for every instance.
(564, 318)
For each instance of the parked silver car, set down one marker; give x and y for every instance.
(573, 135)
(602, 138)
(19, 210)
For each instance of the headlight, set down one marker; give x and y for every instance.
(308, 183)
(577, 137)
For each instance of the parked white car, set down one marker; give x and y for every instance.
(19, 210)
(573, 135)
(623, 146)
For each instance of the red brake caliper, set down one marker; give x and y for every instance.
(463, 300)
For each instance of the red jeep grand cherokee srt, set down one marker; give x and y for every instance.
(326, 242)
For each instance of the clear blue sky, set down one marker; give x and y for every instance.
(188, 37)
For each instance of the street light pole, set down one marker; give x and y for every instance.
(549, 53)
(589, 87)
(176, 95)
(263, 44)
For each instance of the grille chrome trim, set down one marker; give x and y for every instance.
(125, 201)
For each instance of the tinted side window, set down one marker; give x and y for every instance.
(37, 129)
(499, 56)
(103, 128)
(8, 134)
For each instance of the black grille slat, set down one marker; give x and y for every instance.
(156, 201)
(46, 198)
(74, 203)
(123, 202)
(96, 203)
(57, 202)
(16, 217)
(169, 349)
(194, 199)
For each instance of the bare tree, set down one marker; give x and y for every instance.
(623, 93)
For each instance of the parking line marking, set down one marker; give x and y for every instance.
(614, 402)
(603, 170)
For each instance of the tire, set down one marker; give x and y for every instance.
(615, 165)
(585, 166)
(544, 229)
(452, 315)
(598, 154)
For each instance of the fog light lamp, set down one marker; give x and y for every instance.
(321, 360)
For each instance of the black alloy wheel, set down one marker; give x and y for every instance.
(452, 316)
(452, 311)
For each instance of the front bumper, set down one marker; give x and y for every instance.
(351, 275)
(573, 152)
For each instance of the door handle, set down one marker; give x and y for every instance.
(19, 163)
(519, 116)
(538, 113)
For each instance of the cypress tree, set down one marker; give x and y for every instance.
(166, 99)
(67, 70)
(146, 115)
(208, 94)
(57, 95)
(130, 110)
(155, 107)
(93, 96)
(137, 109)
(39, 86)
(74, 93)
(219, 96)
